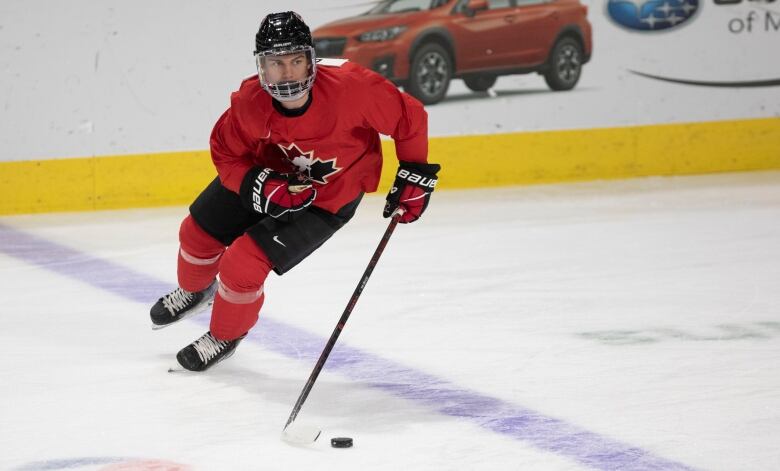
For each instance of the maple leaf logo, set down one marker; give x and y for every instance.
(313, 168)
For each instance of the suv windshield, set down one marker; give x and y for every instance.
(400, 6)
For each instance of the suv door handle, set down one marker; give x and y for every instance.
(509, 18)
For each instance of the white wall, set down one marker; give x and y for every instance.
(81, 78)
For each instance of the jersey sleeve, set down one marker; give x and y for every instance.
(396, 114)
(232, 147)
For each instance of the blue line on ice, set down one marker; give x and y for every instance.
(545, 433)
(51, 465)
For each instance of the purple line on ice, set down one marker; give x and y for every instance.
(51, 465)
(543, 432)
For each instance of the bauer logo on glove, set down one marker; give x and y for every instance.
(416, 178)
(281, 196)
(412, 188)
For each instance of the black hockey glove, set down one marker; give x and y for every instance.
(281, 196)
(414, 183)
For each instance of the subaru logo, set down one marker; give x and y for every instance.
(651, 15)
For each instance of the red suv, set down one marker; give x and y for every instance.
(423, 44)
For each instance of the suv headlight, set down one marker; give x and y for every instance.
(384, 34)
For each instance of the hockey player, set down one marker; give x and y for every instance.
(294, 153)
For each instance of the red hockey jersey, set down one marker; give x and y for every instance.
(335, 142)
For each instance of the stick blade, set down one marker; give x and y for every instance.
(297, 434)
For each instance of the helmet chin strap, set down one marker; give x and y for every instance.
(290, 99)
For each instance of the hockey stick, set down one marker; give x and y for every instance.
(302, 435)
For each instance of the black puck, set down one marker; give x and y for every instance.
(341, 442)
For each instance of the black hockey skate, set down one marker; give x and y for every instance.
(206, 352)
(180, 304)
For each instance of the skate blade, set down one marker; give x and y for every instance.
(178, 369)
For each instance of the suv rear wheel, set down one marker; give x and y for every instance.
(479, 83)
(565, 65)
(430, 74)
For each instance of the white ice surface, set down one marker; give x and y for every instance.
(643, 311)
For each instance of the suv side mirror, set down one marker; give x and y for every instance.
(473, 6)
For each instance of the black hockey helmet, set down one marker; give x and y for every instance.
(280, 30)
(282, 34)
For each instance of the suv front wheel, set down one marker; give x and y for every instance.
(430, 74)
(565, 65)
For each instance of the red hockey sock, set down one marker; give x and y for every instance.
(199, 255)
(242, 273)
(232, 320)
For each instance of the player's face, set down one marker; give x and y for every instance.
(286, 68)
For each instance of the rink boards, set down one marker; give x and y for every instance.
(169, 178)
